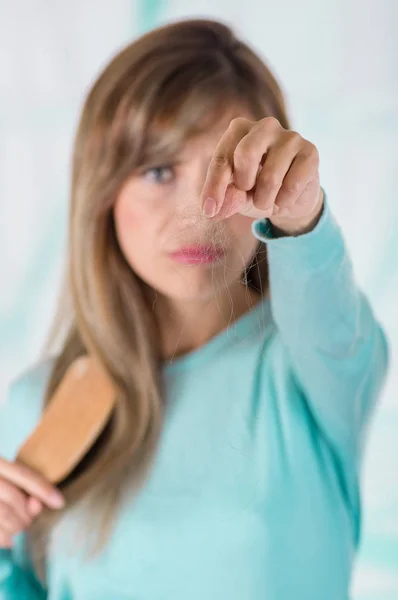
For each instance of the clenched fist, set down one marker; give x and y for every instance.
(262, 170)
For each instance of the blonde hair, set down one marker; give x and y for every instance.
(170, 84)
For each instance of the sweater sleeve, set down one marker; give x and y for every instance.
(336, 347)
(18, 417)
(17, 582)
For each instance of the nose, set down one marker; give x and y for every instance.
(188, 203)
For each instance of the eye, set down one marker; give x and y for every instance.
(161, 174)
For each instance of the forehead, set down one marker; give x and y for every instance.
(197, 124)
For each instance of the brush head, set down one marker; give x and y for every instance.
(76, 415)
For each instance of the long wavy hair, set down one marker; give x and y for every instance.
(169, 85)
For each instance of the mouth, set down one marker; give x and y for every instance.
(198, 255)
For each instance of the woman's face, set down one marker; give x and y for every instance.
(163, 235)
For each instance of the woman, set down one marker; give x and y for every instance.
(210, 279)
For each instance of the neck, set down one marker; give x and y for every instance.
(188, 324)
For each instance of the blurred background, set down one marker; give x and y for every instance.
(338, 64)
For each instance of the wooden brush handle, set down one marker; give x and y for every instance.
(76, 415)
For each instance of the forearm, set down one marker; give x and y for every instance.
(336, 346)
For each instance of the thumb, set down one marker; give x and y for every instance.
(235, 201)
(34, 506)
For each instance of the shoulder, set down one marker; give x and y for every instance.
(23, 407)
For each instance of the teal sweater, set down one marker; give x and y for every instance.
(254, 494)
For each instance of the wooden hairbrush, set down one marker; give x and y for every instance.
(75, 416)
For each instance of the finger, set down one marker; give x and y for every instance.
(276, 164)
(9, 520)
(5, 540)
(249, 153)
(219, 173)
(254, 213)
(15, 498)
(32, 483)
(303, 168)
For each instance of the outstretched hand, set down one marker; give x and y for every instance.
(262, 170)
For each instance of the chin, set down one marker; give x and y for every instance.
(199, 284)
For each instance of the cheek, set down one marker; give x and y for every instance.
(135, 230)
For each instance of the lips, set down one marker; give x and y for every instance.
(197, 255)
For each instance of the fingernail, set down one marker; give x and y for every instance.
(57, 500)
(209, 207)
